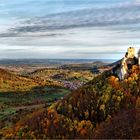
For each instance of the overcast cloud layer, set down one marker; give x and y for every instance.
(101, 29)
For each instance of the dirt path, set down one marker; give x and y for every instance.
(30, 106)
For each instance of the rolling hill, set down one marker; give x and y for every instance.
(67, 78)
(84, 66)
(10, 82)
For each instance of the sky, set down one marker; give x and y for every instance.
(68, 29)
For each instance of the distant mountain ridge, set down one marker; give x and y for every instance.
(49, 61)
(84, 66)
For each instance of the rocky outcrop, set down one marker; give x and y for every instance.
(139, 58)
(126, 63)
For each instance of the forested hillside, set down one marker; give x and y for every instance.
(104, 108)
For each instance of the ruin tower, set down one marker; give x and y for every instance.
(131, 52)
(131, 59)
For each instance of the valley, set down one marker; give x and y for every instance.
(25, 89)
(69, 101)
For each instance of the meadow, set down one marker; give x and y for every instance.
(13, 104)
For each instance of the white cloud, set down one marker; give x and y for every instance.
(89, 33)
(137, 1)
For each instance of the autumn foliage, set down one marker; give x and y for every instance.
(103, 108)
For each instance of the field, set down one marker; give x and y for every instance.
(14, 105)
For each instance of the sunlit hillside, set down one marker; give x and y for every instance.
(71, 79)
(10, 82)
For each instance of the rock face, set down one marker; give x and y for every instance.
(122, 69)
(139, 58)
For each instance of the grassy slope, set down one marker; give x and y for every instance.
(67, 78)
(11, 82)
(64, 74)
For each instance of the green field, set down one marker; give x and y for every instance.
(12, 105)
(46, 94)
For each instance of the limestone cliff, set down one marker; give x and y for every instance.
(126, 63)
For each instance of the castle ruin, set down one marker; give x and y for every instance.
(139, 58)
(126, 64)
(131, 52)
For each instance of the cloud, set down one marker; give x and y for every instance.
(137, 1)
(89, 32)
(93, 17)
(122, 15)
